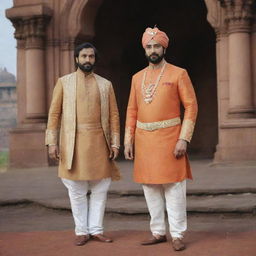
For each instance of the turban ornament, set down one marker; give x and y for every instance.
(155, 34)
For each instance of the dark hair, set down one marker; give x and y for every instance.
(80, 47)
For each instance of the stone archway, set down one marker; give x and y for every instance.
(47, 32)
(77, 20)
(118, 37)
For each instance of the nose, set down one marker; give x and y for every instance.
(87, 59)
(151, 50)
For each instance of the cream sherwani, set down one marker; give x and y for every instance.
(86, 110)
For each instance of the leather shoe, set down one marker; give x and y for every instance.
(178, 245)
(154, 240)
(102, 238)
(81, 240)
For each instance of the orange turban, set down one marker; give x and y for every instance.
(156, 34)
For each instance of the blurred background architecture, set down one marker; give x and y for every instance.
(215, 40)
(8, 105)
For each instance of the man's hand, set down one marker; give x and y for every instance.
(128, 151)
(113, 153)
(53, 151)
(180, 148)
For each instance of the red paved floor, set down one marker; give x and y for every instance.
(60, 243)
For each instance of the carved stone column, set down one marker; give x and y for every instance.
(34, 29)
(67, 49)
(27, 139)
(239, 17)
(236, 54)
(21, 69)
(253, 57)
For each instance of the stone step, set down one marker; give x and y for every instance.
(190, 191)
(228, 203)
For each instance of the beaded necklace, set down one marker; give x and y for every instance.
(149, 92)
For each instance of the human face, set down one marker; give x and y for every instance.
(154, 52)
(86, 59)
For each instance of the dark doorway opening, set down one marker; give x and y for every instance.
(119, 26)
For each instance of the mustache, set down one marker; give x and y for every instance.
(86, 63)
(153, 54)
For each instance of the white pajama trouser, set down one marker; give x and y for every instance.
(88, 216)
(171, 196)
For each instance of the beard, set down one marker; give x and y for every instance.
(155, 58)
(86, 67)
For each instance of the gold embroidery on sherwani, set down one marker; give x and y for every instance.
(51, 137)
(69, 115)
(158, 125)
(187, 130)
(115, 140)
(71, 105)
(104, 90)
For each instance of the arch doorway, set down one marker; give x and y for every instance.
(118, 29)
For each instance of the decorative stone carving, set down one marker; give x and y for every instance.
(30, 24)
(231, 15)
(216, 17)
(19, 33)
(34, 30)
(254, 19)
(67, 44)
(239, 14)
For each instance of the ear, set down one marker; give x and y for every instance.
(76, 60)
(164, 50)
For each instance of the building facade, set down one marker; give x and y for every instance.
(8, 106)
(215, 40)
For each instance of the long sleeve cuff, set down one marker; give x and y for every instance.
(51, 137)
(115, 140)
(187, 130)
(129, 136)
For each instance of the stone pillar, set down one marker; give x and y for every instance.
(34, 28)
(27, 139)
(239, 19)
(222, 73)
(67, 49)
(21, 69)
(253, 58)
(235, 52)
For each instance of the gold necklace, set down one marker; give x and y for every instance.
(149, 92)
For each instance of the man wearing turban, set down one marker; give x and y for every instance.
(154, 126)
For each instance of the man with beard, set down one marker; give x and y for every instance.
(84, 107)
(153, 123)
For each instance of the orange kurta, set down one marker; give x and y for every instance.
(154, 159)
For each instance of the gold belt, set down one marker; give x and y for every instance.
(158, 125)
(91, 126)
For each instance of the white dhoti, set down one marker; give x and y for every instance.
(171, 197)
(88, 216)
